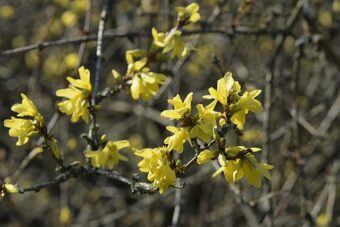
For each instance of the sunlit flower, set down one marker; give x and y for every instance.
(11, 188)
(156, 163)
(78, 96)
(181, 109)
(246, 103)
(158, 38)
(174, 44)
(171, 43)
(225, 87)
(21, 128)
(253, 170)
(146, 84)
(189, 13)
(231, 169)
(205, 156)
(246, 166)
(27, 122)
(136, 60)
(109, 156)
(204, 126)
(176, 141)
(26, 108)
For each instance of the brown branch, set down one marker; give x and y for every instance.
(93, 128)
(114, 34)
(269, 79)
(75, 171)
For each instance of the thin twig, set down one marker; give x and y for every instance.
(103, 17)
(269, 78)
(114, 34)
(75, 171)
(93, 128)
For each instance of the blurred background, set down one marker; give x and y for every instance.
(287, 48)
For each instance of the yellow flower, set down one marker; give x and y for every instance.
(231, 169)
(156, 163)
(246, 103)
(174, 44)
(28, 122)
(109, 156)
(11, 188)
(235, 169)
(176, 141)
(204, 126)
(225, 87)
(78, 94)
(158, 38)
(84, 81)
(253, 170)
(21, 128)
(171, 43)
(189, 13)
(205, 156)
(136, 60)
(146, 84)
(26, 108)
(182, 109)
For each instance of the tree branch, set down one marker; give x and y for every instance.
(75, 171)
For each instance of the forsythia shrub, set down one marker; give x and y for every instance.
(203, 129)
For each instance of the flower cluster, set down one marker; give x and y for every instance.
(156, 163)
(78, 95)
(203, 129)
(27, 122)
(200, 125)
(140, 80)
(236, 106)
(238, 162)
(108, 156)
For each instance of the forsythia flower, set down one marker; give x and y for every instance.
(246, 103)
(20, 128)
(225, 87)
(176, 141)
(156, 163)
(26, 108)
(182, 109)
(28, 122)
(231, 169)
(253, 170)
(11, 188)
(146, 84)
(171, 43)
(189, 13)
(109, 156)
(158, 38)
(204, 126)
(175, 45)
(133, 64)
(235, 169)
(235, 105)
(205, 156)
(78, 94)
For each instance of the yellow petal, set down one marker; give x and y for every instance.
(11, 188)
